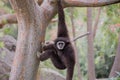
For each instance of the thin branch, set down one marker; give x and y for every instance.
(96, 22)
(80, 36)
(89, 3)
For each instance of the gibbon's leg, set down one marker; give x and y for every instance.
(56, 60)
(70, 71)
(45, 55)
(69, 62)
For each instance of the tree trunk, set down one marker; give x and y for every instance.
(32, 22)
(25, 63)
(116, 64)
(91, 65)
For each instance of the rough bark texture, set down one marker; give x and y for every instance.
(116, 64)
(91, 64)
(25, 62)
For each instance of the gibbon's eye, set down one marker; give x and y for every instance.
(60, 45)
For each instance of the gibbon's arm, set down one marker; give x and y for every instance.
(62, 29)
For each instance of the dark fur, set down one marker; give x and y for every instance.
(65, 58)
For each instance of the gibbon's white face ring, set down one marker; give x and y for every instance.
(60, 45)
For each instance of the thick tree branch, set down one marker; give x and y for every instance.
(89, 3)
(7, 18)
(11, 19)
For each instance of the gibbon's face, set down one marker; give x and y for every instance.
(60, 45)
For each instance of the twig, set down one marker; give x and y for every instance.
(80, 36)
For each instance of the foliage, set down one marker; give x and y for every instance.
(105, 48)
(5, 5)
(113, 14)
(11, 30)
(1, 44)
(106, 41)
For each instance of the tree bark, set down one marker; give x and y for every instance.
(116, 64)
(91, 64)
(32, 22)
(89, 3)
(25, 63)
